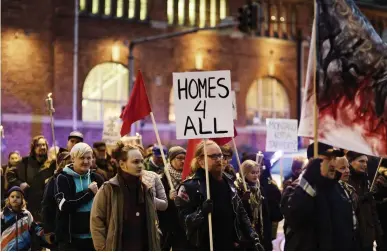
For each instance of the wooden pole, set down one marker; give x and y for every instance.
(376, 174)
(315, 107)
(166, 171)
(239, 164)
(208, 194)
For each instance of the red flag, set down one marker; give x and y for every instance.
(224, 140)
(138, 105)
(191, 147)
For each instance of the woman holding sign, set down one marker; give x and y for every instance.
(230, 223)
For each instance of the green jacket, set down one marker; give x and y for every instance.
(108, 208)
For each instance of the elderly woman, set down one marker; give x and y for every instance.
(75, 188)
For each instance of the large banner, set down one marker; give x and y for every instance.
(203, 105)
(351, 81)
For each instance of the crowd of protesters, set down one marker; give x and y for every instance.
(87, 198)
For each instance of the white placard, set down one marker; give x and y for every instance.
(111, 128)
(203, 104)
(234, 106)
(281, 135)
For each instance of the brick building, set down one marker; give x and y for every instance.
(37, 58)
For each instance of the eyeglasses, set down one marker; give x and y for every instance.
(215, 156)
(227, 157)
(180, 158)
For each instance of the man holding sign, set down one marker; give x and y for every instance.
(232, 229)
(208, 204)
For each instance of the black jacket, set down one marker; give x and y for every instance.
(189, 202)
(34, 174)
(68, 220)
(318, 218)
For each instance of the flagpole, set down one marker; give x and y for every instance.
(239, 164)
(315, 107)
(166, 171)
(208, 194)
(376, 174)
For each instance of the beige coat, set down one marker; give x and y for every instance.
(106, 217)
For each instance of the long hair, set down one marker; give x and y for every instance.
(247, 166)
(199, 153)
(34, 142)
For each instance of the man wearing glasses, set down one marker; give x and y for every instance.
(231, 226)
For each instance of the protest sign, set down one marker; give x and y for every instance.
(203, 104)
(281, 134)
(111, 128)
(234, 106)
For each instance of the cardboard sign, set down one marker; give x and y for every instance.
(234, 106)
(111, 128)
(203, 104)
(281, 135)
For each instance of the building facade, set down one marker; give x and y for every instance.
(38, 58)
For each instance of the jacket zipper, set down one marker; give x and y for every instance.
(236, 218)
(17, 234)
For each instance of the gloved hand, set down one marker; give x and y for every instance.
(367, 197)
(312, 172)
(246, 195)
(257, 245)
(207, 207)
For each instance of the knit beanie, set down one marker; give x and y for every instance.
(174, 151)
(15, 189)
(352, 155)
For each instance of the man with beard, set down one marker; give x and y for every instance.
(104, 160)
(318, 214)
(232, 229)
(30, 175)
(369, 225)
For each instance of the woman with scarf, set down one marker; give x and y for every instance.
(254, 202)
(173, 233)
(123, 215)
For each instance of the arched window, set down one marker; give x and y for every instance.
(105, 91)
(266, 98)
(171, 113)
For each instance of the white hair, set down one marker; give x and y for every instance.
(80, 149)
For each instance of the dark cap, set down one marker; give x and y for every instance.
(352, 155)
(325, 150)
(76, 134)
(97, 145)
(15, 189)
(156, 151)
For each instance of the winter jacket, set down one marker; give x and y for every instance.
(106, 217)
(18, 230)
(380, 190)
(318, 217)
(261, 222)
(189, 202)
(74, 201)
(169, 223)
(158, 191)
(369, 225)
(34, 174)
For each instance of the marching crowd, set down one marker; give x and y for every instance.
(83, 198)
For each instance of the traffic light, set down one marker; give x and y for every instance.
(248, 18)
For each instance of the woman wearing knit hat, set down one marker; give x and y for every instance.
(369, 225)
(173, 233)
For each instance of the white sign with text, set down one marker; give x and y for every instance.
(281, 135)
(203, 104)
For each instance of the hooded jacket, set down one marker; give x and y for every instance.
(74, 200)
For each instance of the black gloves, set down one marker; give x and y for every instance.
(257, 245)
(207, 207)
